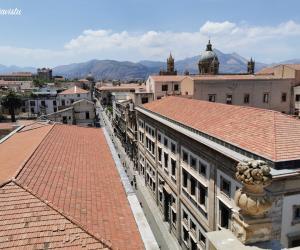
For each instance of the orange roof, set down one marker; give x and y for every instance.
(132, 86)
(18, 148)
(266, 71)
(234, 77)
(74, 90)
(167, 78)
(270, 70)
(29, 223)
(267, 133)
(73, 170)
(294, 66)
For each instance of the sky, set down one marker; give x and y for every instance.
(50, 33)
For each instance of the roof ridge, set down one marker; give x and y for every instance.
(106, 243)
(274, 135)
(19, 170)
(223, 104)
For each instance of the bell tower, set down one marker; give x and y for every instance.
(170, 67)
(251, 66)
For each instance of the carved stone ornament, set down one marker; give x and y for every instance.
(251, 198)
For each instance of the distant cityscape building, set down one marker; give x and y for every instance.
(170, 67)
(44, 74)
(251, 66)
(17, 76)
(80, 112)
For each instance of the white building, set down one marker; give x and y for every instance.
(67, 97)
(81, 112)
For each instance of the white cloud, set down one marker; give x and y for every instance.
(265, 43)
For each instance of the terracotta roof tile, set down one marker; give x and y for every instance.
(74, 171)
(166, 78)
(266, 71)
(16, 150)
(122, 87)
(268, 133)
(235, 77)
(74, 90)
(28, 223)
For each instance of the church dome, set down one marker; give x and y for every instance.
(209, 62)
(208, 54)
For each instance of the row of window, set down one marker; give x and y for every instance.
(43, 103)
(192, 235)
(150, 131)
(194, 189)
(168, 163)
(166, 142)
(164, 87)
(229, 98)
(150, 145)
(198, 165)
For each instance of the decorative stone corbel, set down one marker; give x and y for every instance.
(251, 224)
(252, 198)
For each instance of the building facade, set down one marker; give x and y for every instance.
(81, 113)
(44, 74)
(261, 91)
(67, 97)
(166, 85)
(188, 153)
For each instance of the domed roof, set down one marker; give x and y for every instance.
(208, 54)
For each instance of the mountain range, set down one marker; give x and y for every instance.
(125, 70)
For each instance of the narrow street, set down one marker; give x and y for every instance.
(154, 217)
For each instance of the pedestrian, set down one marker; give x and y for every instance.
(141, 204)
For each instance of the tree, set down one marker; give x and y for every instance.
(38, 83)
(12, 101)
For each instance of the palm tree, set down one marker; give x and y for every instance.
(12, 101)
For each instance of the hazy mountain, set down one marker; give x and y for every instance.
(292, 61)
(103, 69)
(13, 68)
(114, 70)
(229, 63)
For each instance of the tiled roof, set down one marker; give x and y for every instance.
(266, 71)
(270, 70)
(28, 223)
(122, 87)
(234, 77)
(16, 150)
(267, 133)
(74, 90)
(73, 170)
(294, 66)
(159, 78)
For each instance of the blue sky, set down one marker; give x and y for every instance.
(50, 33)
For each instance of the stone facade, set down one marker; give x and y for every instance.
(81, 112)
(196, 186)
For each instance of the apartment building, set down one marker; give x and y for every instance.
(81, 113)
(188, 152)
(165, 85)
(67, 97)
